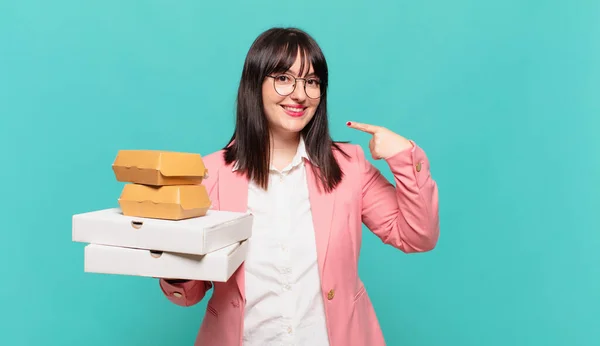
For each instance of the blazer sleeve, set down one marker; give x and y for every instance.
(406, 215)
(191, 292)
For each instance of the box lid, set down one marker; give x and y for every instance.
(200, 235)
(133, 166)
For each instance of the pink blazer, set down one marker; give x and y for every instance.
(404, 216)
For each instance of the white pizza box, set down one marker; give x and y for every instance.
(198, 236)
(215, 266)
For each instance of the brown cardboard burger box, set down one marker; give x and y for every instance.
(175, 202)
(159, 168)
(161, 184)
(164, 226)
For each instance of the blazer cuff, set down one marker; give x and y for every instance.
(178, 292)
(411, 164)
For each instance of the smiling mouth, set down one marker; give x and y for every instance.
(294, 111)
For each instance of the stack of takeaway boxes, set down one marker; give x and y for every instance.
(164, 227)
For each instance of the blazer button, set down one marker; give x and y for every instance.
(418, 168)
(177, 295)
(330, 294)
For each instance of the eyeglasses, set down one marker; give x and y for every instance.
(285, 84)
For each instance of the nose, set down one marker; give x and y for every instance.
(299, 93)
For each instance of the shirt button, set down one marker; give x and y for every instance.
(418, 168)
(289, 330)
(177, 295)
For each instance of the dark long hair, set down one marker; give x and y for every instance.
(276, 50)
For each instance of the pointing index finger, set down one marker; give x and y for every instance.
(363, 127)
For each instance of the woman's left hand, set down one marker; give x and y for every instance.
(384, 143)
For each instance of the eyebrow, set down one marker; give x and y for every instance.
(313, 74)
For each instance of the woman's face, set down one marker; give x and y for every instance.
(289, 114)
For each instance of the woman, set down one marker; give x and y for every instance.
(309, 196)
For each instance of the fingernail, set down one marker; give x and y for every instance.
(348, 123)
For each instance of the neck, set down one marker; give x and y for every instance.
(287, 141)
(283, 148)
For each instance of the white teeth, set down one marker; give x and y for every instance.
(293, 109)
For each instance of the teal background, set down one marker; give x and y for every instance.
(503, 96)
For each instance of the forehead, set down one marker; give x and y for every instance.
(301, 66)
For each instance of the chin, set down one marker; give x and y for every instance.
(291, 128)
(296, 123)
(295, 130)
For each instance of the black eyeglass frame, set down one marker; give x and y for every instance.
(296, 79)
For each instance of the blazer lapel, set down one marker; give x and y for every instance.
(233, 196)
(321, 205)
